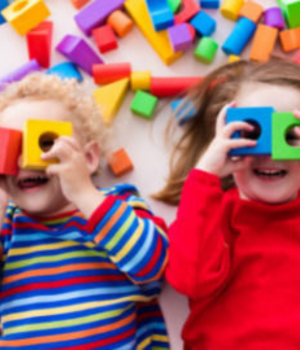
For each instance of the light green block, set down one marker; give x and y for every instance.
(143, 104)
(291, 12)
(206, 50)
(174, 5)
(281, 124)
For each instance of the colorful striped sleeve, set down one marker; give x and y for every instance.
(133, 238)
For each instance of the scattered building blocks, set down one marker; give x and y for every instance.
(174, 5)
(172, 86)
(120, 163)
(282, 122)
(204, 24)
(161, 15)
(95, 14)
(239, 36)
(206, 50)
(291, 12)
(233, 58)
(79, 3)
(66, 70)
(79, 52)
(261, 118)
(140, 80)
(180, 37)
(3, 5)
(39, 42)
(110, 97)
(105, 38)
(263, 43)
(108, 73)
(19, 73)
(251, 10)
(210, 4)
(143, 104)
(120, 23)
(184, 110)
(231, 9)
(24, 15)
(189, 9)
(290, 39)
(38, 138)
(159, 40)
(273, 17)
(10, 151)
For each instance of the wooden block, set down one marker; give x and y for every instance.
(140, 80)
(79, 3)
(24, 15)
(10, 151)
(110, 97)
(172, 86)
(66, 70)
(189, 8)
(174, 5)
(206, 50)
(210, 4)
(233, 58)
(3, 5)
(204, 24)
(143, 104)
(282, 123)
(38, 138)
(120, 163)
(180, 37)
(290, 39)
(291, 12)
(110, 72)
(158, 40)
(231, 8)
(39, 42)
(161, 15)
(251, 10)
(120, 23)
(263, 43)
(261, 118)
(105, 38)
(273, 17)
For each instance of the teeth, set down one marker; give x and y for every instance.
(270, 172)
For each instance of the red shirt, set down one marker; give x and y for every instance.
(238, 262)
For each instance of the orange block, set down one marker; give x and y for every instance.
(10, 150)
(251, 10)
(120, 23)
(120, 163)
(290, 39)
(263, 43)
(79, 3)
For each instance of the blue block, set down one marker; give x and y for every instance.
(239, 37)
(210, 4)
(183, 113)
(161, 15)
(66, 70)
(203, 23)
(3, 5)
(259, 115)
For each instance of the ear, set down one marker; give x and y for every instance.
(92, 156)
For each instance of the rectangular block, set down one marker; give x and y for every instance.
(10, 151)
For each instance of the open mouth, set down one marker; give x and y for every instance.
(32, 182)
(270, 173)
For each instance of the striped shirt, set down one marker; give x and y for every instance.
(69, 283)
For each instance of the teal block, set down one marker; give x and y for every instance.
(206, 50)
(291, 12)
(143, 104)
(282, 122)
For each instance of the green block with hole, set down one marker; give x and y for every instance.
(282, 122)
(143, 104)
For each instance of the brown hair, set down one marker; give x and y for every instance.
(217, 89)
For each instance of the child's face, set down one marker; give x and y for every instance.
(264, 179)
(34, 191)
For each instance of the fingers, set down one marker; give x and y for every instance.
(221, 118)
(62, 149)
(229, 129)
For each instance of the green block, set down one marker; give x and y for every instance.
(143, 104)
(206, 50)
(291, 12)
(281, 124)
(174, 5)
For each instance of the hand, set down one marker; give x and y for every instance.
(4, 199)
(215, 160)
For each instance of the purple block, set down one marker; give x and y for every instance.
(20, 73)
(96, 13)
(273, 17)
(79, 52)
(180, 37)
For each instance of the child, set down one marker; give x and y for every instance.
(236, 252)
(81, 267)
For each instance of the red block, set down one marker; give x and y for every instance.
(172, 86)
(79, 3)
(10, 150)
(39, 43)
(108, 73)
(189, 9)
(105, 38)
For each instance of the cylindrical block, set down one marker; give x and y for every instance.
(108, 73)
(140, 80)
(231, 8)
(239, 37)
(206, 50)
(172, 86)
(273, 18)
(120, 23)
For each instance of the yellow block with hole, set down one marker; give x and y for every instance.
(24, 15)
(140, 80)
(38, 137)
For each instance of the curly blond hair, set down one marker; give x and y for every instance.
(86, 116)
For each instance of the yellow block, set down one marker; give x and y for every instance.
(38, 138)
(23, 15)
(140, 80)
(110, 97)
(233, 58)
(231, 8)
(159, 40)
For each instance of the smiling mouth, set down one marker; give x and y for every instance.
(270, 173)
(32, 182)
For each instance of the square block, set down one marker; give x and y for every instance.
(259, 116)
(120, 163)
(204, 23)
(105, 38)
(39, 136)
(143, 104)
(180, 37)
